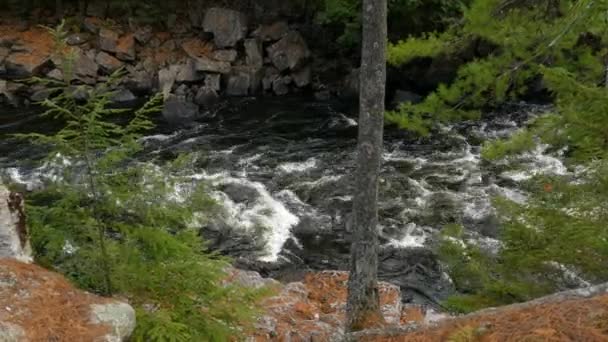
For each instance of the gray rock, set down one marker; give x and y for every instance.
(107, 62)
(225, 55)
(290, 52)
(41, 95)
(11, 332)
(206, 97)
(92, 25)
(280, 85)
(205, 64)
(254, 52)
(302, 77)
(14, 236)
(238, 85)
(143, 34)
(123, 97)
(251, 279)
(228, 26)
(4, 52)
(187, 73)
(270, 74)
(140, 82)
(254, 76)
(125, 50)
(108, 40)
(85, 69)
(79, 93)
(78, 38)
(166, 79)
(55, 74)
(272, 32)
(7, 94)
(119, 317)
(179, 112)
(213, 81)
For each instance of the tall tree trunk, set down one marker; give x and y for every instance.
(363, 306)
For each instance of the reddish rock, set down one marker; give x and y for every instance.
(107, 62)
(108, 40)
(125, 48)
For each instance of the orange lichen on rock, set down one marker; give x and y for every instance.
(45, 305)
(570, 320)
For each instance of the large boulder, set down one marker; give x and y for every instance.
(290, 52)
(39, 305)
(14, 237)
(228, 26)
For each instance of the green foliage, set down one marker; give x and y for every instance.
(519, 142)
(117, 226)
(530, 40)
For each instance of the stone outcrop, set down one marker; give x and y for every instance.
(39, 305)
(14, 237)
(228, 26)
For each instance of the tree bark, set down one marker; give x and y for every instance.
(363, 305)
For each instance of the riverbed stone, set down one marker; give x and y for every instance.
(187, 73)
(270, 74)
(238, 84)
(213, 81)
(108, 40)
(280, 85)
(290, 52)
(302, 77)
(206, 97)
(228, 26)
(179, 112)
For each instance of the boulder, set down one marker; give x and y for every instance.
(85, 68)
(179, 112)
(56, 74)
(205, 64)
(125, 48)
(270, 74)
(39, 305)
(290, 52)
(108, 40)
(225, 55)
(213, 81)
(107, 62)
(123, 97)
(273, 32)
(254, 52)
(25, 64)
(206, 97)
(166, 79)
(14, 236)
(228, 26)
(302, 77)
(140, 82)
(187, 73)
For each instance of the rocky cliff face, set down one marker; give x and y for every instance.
(226, 53)
(39, 305)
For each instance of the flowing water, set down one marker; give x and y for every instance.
(281, 170)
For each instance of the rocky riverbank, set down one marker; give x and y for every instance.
(224, 53)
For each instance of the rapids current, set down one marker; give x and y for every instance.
(281, 170)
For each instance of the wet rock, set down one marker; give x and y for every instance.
(225, 55)
(280, 85)
(123, 97)
(107, 40)
(206, 97)
(78, 38)
(272, 32)
(302, 77)
(41, 95)
(14, 236)
(179, 112)
(125, 48)
(213, 81)
(140, 82)
(270, 75)
(228, 26)
(107, 62)
(205, 64)
(238, 85)
(7, 95)
(290, 52)
(254, 52)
